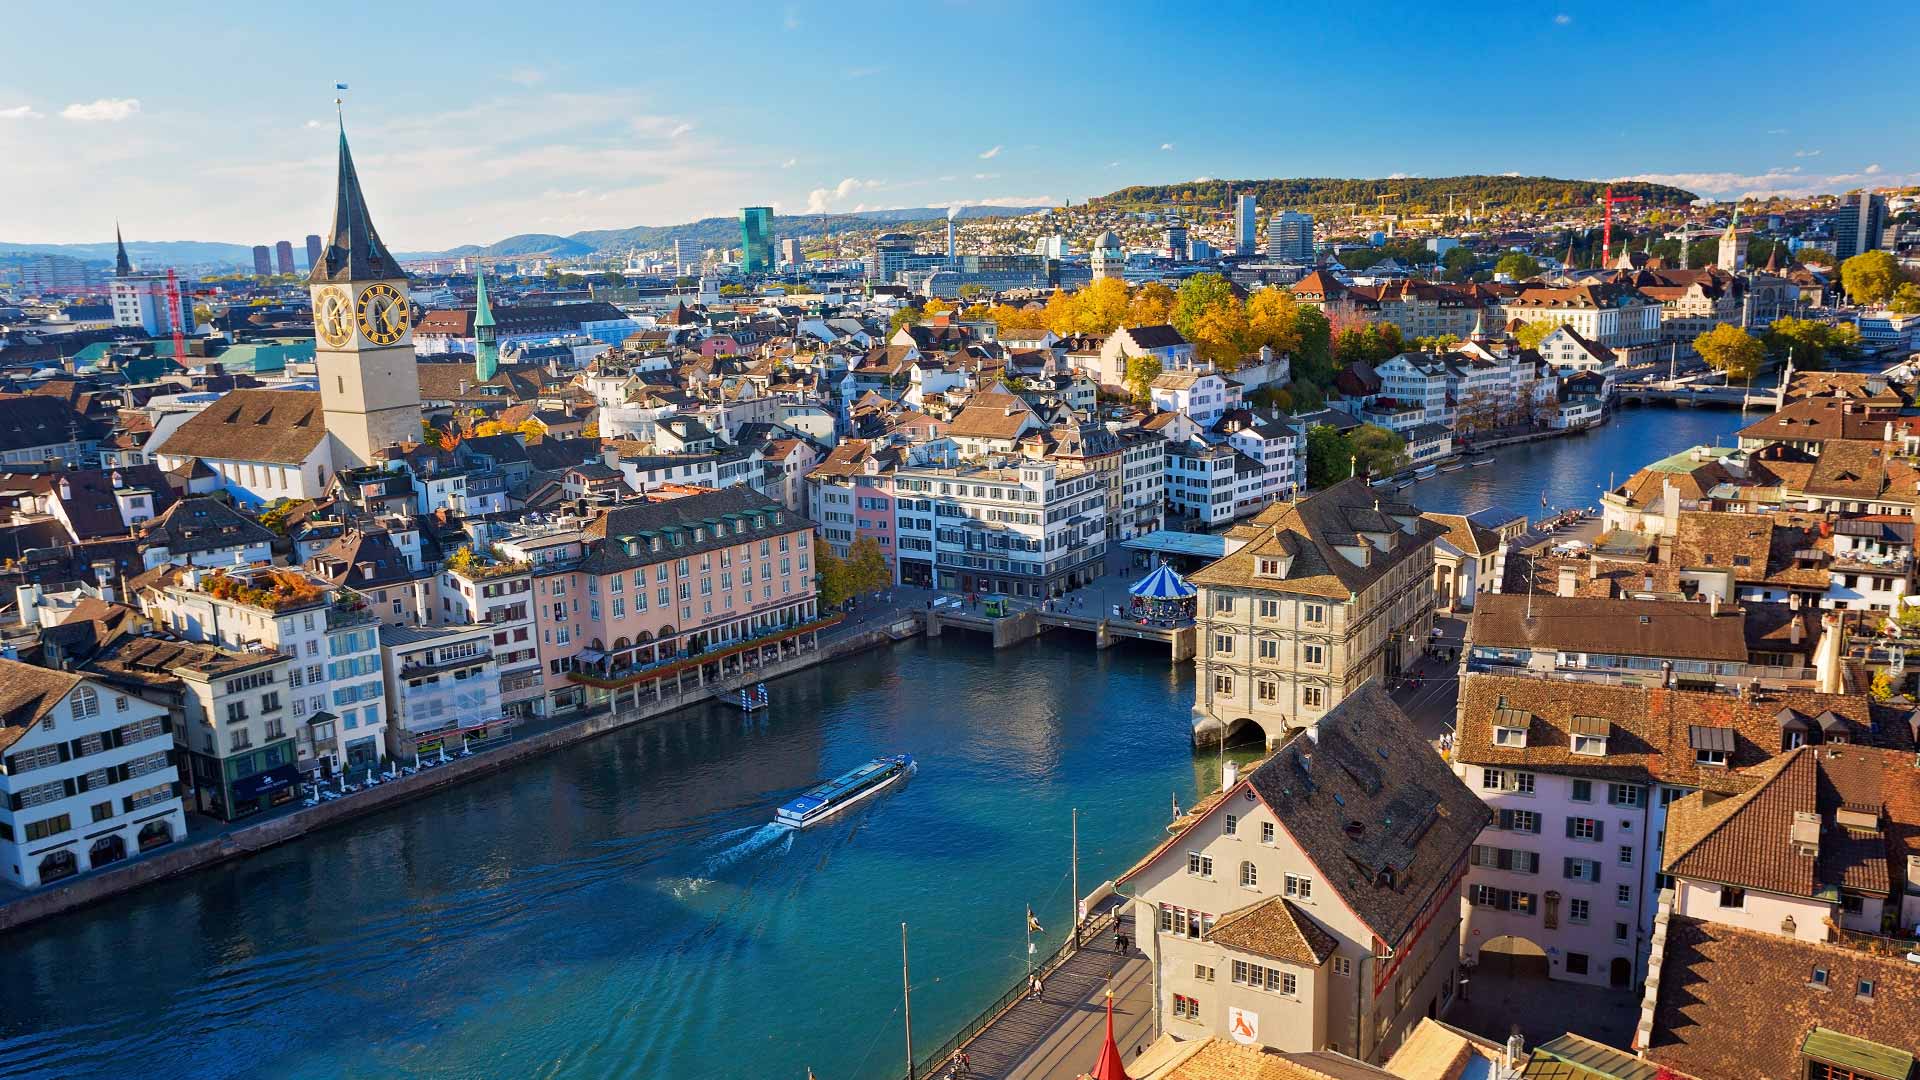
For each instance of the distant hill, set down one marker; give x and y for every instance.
(156, 253)
(1420, 194)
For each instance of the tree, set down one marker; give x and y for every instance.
(837, 576)
(1008, 318)
(1198, 295)
(971, 290)
(1870, 277)
(1100, 308)
(1380, 451)
(1436, 343)
(1882, 686)
(1730, 349)
(1813, 256)
(1273, 320)
(1141, 371)
(1809, 343)
(935, 307)
(868, 566)
(1062, 312)
(1329, 456)
(591, 430)
(1532, 334)
(1371, 343)
(1152, 305)
(1458, 260)
(1517, 265)
(1313, 360)
(1220, 334)
(733, 290)
(1906, 299)
(906, 316)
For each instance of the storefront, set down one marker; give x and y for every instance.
(245, 783)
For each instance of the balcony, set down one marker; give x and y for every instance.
(1873, 564)
(609, 677)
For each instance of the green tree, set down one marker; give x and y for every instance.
(1532, 334)
(906, 316)
(1273, 320)
(1313, 359)
(1809, 343)
(1436, 343)
(1870, 277)
(1459, 258)
(868, 565)
(1198, 295)
(1141, 371)
(1813, 256)
(1380, 451)
(971, 290)
(836, 576)
(1329, 456)
(733, 290)
(1906, 299)
(1730, 349)
(1517, 265)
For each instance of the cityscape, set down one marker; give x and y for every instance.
(686, 597)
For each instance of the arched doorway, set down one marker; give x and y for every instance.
(57, 865)
(155, 834)
(1245, 731)
(1514, 957)
(107, 849)
(1620, 973)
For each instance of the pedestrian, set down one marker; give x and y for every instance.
(965, 1062)
(1120, 942)
(1033, 988)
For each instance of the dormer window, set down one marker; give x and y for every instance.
(1589, 736)
(1266, 567)
(1712, 746)
(1510, 728)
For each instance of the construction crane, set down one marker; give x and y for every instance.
(1450, 195)
(1606, 231)
(176, 314)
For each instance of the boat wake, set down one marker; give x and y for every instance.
(759, 840)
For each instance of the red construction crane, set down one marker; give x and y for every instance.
(176, 315)
(1606, 231)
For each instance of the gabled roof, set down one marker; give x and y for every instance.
(27, 694)
(203, 524)
(278, 426)
(1276, 928)
(1311, 533)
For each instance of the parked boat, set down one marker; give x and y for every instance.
(1425, 472)
(823, 801)
(1483, 459)
(1381, 482)
(1453, 466)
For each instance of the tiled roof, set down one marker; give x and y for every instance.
(681, 516)
(27, 693)
(203, 524)
(278, 426)
(1276, 928)
(1739, 1004)
(35, 421)
(1311, 531)
(1665, 629)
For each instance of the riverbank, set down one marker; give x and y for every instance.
(192, 856)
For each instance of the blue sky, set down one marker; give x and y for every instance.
(472, 122)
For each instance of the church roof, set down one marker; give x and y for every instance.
(482, 308)
(277, 426)
(353, 250)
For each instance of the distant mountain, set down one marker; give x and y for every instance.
(156, 253)
(1418, 194)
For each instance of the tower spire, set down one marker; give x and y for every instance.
(353, 250)
(1110, 1067)
(122, 266)
(486, 347)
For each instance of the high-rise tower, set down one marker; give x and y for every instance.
(486, 339)
(363, 333)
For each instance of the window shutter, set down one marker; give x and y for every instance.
(1570, 828)
(1505, 861)
(1566, 869)
(1506, 819)
(66, 752)
(1595, 864)
(1599, 830)
(72, 789)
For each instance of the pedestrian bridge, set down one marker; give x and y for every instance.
(1025, 625)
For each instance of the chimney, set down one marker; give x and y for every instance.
(1713, 604)
(1229, 775)
(1805, 836)
(119, 481)
(1569, 582)
(28, 599)
(950, 253)
(1829, 673)
(1796, 629)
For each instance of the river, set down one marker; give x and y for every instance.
(622, 907)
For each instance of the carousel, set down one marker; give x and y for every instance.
(1164, 598)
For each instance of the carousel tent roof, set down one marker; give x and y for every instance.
(1163, 584)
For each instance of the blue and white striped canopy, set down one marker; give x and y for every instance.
(1163, 584)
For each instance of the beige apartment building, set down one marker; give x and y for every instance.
(1321, 595)
(1313, 904)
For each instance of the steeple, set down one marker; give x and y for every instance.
(353, 251)
(1110, 1067)
(486, 348)
(122, 266)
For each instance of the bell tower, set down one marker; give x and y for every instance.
(363, 333)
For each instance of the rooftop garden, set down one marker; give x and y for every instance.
(273, 589)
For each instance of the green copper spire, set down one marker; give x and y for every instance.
(486, 347)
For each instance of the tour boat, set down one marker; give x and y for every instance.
(822, 801)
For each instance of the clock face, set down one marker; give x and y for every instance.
(383, 314)
(333, 317)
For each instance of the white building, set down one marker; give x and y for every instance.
(140, 302)
(1201, 395)
(499, 594)
(87, 779)
(1034, 529)
(1245, 234)
(444, 688)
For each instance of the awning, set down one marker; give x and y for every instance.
(1163, 584)
(590, 656)
(1710, 738)
(1592, 725)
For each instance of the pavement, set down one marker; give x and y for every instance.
(1494, 1003)
(1058, 1037)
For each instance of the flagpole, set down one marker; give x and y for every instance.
(906, 997)
(1076, 877)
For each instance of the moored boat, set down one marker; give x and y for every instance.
(823, 801)
(1425, 472)
(1453, 466)
(1483, 459)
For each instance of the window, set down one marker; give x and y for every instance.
(1343, 965)
(1510, 737)
(1520, 820)
(1222, 643)
(1298, 887)
(1314, 613)
(1185, 1008)
(1733, 896)
(1576, 963)
(1267, 690)
(1626, 854)
(1623, 794)
(1865, 988)
(1819, 977)
(1311, 697)
(1269, 609)
(1706, 756)
(53, 826)
(1202, 973)
(1581, 870)
(1249, 875)
(1199, 865)
(1266, 832)
(102, 811)
(1583, 828)
(1269, 650)
(1289, 983)
(86, 703)
(1590, 745)
(1313, 655)
(1230, 825)
(1222, 604)
(1623, 895)
(1507, 780)
(1223, 684)
(1578, 910)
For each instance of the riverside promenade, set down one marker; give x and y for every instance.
(1058, 1036)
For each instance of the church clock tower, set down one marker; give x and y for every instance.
(363, 334)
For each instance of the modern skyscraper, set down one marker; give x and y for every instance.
(790, 252)
(1243, 227)
(283, 257)
(1860, 224)
(890, 253)
(262, 260)
(1290, 237)
(1176, 240)
(756, 239)
(363, 331)
(313, 251)
(486, 338)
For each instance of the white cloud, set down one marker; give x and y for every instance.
(986, 176)
(1790, 182)
(679, 130)
(1166, 146)
(20, 112)
(822, 200)
(1806, 153)
(790, 163)
(1562, 19)
(105, 109)
(1397, 176)
(314, 125)
(989, 154)
(1202, 180)
(1113, 164)
(1873, 170)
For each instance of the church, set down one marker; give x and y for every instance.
(268, 444)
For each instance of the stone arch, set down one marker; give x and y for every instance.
(1245, 730)
(57, 865)
(620, 643)
(645, 637)
(107, 849)
(155, 834)
(1513, 956)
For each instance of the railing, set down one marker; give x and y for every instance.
(929, 1066)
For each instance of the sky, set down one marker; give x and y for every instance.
(477, 121)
